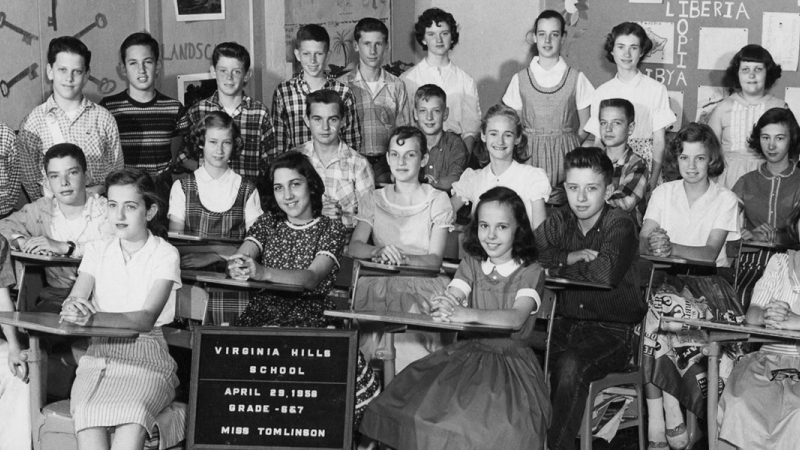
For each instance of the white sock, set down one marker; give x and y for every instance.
(655, 420)
(672, 411)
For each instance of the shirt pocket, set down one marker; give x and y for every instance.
(384, 104)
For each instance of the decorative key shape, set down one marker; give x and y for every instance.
(99, 22)
(26, 37)
(105, 86)
(30, 72)
(52, 21)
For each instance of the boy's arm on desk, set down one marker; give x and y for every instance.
(616, 253)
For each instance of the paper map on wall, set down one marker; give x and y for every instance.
(780, 34)
(339, 17)
(663, 36)
(718, 45)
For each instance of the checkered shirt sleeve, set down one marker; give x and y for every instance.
(9, 171)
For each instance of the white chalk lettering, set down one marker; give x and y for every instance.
(235, 430)
(311, 352)
(245, 392)
(235, 407)
(299, 432)
(277, 370)
(247, 351)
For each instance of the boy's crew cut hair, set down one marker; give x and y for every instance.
(215, 119)
(140, 38)
(325, 96)
(702, 133)
(231, 50)
(751, 53)
(625, 29)
(431, 17)
(783, 116)
(301, 164)
(523, 250)
(621, 103)
(68, 44)
(368, 25)
(593, 158)
(65, 150)
(407, 132)
(426, 91)
(146, 186)
(312, 32)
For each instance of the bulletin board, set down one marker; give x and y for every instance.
(26, 28)
(693, 43)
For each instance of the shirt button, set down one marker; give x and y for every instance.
(494, 277)
(581, 305)
(430, 167)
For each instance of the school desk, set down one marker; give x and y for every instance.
(669, 261)
(26, 302)
(49, 323)
(195, 239)
(397, 322)
(715, 334)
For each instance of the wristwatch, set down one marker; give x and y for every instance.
(71, 248)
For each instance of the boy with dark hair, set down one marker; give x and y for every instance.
(629, 181)
(381, 99)
(146, 118)
(312, 47)
(347, 174)
(62, 224)
(68, 116)
(589, 241)
(447, 154)
(437, 32)
(230, 64)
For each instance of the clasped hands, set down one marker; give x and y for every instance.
(77, 310)
(778, 315)
(446, 307)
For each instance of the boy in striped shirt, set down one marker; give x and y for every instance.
(147, 119)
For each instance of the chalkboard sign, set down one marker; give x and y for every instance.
(272, 388)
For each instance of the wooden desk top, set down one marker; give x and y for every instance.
(221, 279)
(416, 320)
(401, 270)
(194, 239)
(758, 330)
(557, 283)
(48, 323)
(781, 244)
(41, 259)
(675, 260)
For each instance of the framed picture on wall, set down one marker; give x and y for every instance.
(195, 86)
(192, 10)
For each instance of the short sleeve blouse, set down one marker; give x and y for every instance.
(121, 287)
(407, 227)
(530, 183)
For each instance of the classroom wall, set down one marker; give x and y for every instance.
(493, 43)
(492, 46)
(694, 90)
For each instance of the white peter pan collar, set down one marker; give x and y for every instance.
(504, 269)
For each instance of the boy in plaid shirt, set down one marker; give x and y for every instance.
(68, 116)
(381, 99)
(231, 67)
(346, 174)
(629, 182)
(312, 47)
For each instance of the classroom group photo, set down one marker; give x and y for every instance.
(376, 256)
